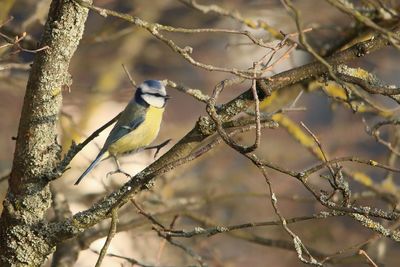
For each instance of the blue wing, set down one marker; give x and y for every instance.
(122, 129)
(132, 116)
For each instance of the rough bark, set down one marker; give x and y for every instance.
(67, 252)
(37, 151)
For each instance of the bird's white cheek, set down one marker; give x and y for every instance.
(154, 101)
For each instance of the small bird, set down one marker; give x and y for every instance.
(138, 125)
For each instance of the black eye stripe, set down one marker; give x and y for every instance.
(155, 94)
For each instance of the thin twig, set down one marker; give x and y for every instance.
(111, 234)
(147, 215)
(129, 76)
(370, 261)
(298, 244)
(223, 229)
(184, 248)
(196, 93)
(155, 29)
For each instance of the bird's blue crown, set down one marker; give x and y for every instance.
(153, 83)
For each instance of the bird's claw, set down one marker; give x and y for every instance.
(158, 147)
(118, 171)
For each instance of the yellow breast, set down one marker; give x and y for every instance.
(142, 136)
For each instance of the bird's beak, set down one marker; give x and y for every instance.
(167, 97)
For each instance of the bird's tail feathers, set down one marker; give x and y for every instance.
(99, 157)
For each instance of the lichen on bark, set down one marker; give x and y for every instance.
(37, 151)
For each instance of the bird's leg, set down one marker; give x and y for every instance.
(158, 147)
(118, 170)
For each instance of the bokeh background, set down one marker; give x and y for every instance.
(222, 185)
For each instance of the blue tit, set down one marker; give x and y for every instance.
(137, 126)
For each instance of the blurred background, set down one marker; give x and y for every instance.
(221, 187)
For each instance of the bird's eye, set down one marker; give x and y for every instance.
(155, 94)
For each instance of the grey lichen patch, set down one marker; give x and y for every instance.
(368, 81)
(356, 72)
(235, 107)
(199, 230)
(34, 200)
(323, 214)
(79, 224)
(205, 125)
(222, 229)
(147, 186)
(29, 249)
(377, 227)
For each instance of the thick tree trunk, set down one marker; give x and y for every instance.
(37, 152)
